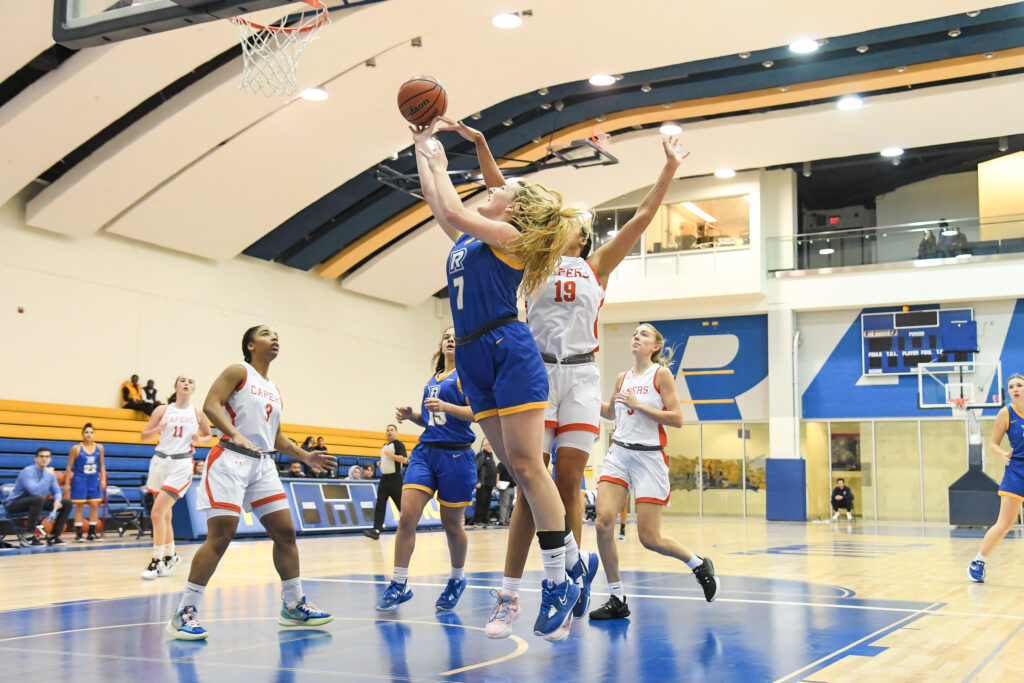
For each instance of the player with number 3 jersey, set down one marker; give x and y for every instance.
(443, 463)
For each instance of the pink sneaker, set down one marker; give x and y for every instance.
(506, 611)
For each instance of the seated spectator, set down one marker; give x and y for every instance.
(320, 445)
(198, 466)
(131, 396)
(307, 445)
(958, 243)
(295, 470)
(355, 472)
(369, 471)
(30, 492)
(842, 498)
(149, 394)
(927, 248)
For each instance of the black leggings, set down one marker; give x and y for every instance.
(390, 486)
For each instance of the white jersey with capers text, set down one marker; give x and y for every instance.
(563, 314)
(179, 425)
(633, 426)
(255, 409)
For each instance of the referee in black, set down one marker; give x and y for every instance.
(392, 457)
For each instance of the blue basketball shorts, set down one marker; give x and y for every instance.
(449, 474)
(1013, 480)
(85, 487)
(502, 372)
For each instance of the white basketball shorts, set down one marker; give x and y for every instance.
(232, 481)
(574, 404)
(646, 472)
(172, 476)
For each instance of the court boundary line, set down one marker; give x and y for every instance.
(991, 655)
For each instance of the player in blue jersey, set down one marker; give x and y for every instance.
(443, 463)
(1009, 421)
(510, 245)
(85, 480)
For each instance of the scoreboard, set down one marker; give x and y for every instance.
(896, 342)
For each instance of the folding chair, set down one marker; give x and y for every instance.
(16, 524)
(122, 513)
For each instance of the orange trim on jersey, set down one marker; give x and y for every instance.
(1001, 493)
(656, 501)
(418, 488)
(231, 414)
(453, 505)
(577, 427)
(662, 436)
(244, 381)
(550, 423)
(655, 380)
(522, 408)
(439, 377)
(486, 413)
(1014, 410)
(215, 453)
(505, 259)
(613, 480)
(621, 382)
(268, 499)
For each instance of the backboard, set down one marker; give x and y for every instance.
(87, 23)
(980, 384)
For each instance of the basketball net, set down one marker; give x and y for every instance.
(271, 52)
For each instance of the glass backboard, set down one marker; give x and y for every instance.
(979, 384)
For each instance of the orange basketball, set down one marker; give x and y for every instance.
(421, 98)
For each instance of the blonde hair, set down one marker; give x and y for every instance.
(663, 356)
(546, 227)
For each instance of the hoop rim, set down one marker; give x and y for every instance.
(317, 5)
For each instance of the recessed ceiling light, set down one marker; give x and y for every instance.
(314, 94)
(507, 20)
(602, 79)
(953, 33)
(849, 102)
(862, 49)
(670, 129)
(892, 151)
(826, 251)
(725, 173)
(804, 46)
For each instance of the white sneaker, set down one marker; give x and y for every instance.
(153, 570)
(835, 515)
(848, 515)
(504, 614)
(167, 565)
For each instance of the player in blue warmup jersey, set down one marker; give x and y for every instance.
(512, 244)
(443, 463)
(1009, 421)
(85, 479)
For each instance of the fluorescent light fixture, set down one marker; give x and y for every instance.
(602, 79)
(804, 46)
(697, 211)
(314, 94)
(850, 102)
(826, 251)
(507, 20)
(892, 152)
(671, 129)
(725, 173)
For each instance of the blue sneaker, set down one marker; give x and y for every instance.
(303, 614)
(556, 604)
(394, 595)
(976, 571)
(184, 625)
(450, 595)
(583, 575)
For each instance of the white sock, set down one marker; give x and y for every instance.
(169, 549)
(616, 590)
(400, 575)
(572, 551)
(191, 596)
(554, 564)
(458, 573)
(510, 585)
(695, 561)
(980, 558)
(291, 592)
(158, 552)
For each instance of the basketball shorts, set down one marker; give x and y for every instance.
(574, 404)
(232, 481)
(502, 373)
(1013, 480)
(646, 472)
(173, 476)
(449, 474)
(85, 487)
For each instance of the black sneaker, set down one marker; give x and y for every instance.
(622, 532)
(35, 541)
(705, 573)
(54, 540)
(92, 536)
(613, 609)
(371, 533)
(78, 537)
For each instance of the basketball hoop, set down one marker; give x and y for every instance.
(270, 53)
(959, 406)
(600, 139)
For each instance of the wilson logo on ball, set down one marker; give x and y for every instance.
(421, 99)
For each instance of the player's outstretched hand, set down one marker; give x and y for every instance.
(673, 150)
(403, 413)
(319, 460)
(471, 134)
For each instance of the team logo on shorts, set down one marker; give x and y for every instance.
(455, 260)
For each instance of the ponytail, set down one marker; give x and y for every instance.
(663, 356)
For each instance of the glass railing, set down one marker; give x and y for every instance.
(946, 240)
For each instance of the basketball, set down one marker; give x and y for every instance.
(421, 98)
